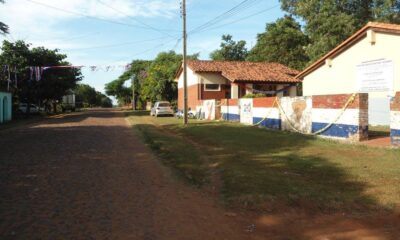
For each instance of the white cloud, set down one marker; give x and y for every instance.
(28, 18)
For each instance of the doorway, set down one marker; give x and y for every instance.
(379, 119)
(5, 109)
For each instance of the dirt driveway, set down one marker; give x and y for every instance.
(87, 176)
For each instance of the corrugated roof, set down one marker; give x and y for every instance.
(236, 71)
(376, 26)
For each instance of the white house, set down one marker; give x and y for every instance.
(367, 62)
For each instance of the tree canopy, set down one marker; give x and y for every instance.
(230, 50)
(153, 80)
(329, 22)
(54, 83)
(282, 42)
(87, 96)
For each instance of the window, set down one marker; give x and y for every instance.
(212, 87)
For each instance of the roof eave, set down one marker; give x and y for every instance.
(349, 42)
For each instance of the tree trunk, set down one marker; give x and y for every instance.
(54, 107)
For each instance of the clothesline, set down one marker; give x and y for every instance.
(36, 72)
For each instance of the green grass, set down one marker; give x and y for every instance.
(262, 169)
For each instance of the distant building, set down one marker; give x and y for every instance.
(5, 107)
(232, 80)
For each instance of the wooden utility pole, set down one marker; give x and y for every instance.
(185, 92)
(133, 93)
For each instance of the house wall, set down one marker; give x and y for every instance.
(340, 78)
(395, 119)
(5, 107)
(196, 92)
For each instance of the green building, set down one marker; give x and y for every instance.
(5, 107)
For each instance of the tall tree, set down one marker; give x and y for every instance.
(3, 26)
(230, 50)
(160, 84)
(118, 89)
(54, 83)
(329, 22)
(282, 42)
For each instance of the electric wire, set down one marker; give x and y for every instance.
(87, 16)
(137, 20)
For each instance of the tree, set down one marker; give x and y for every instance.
(118, 89)
(329, 22)
(160, 84)
(3, 26)
(282, 42)
(87, 96)
(54, 83)
(230, 50)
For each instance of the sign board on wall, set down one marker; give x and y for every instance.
(375, 76)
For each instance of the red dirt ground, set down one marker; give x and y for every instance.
(87, 176)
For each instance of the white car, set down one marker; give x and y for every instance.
(23, 107)
(162, 108)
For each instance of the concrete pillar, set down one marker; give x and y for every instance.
(293, 91)
(234, 91)
(395, 120)
(249, 88)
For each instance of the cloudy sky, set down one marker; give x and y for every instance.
(114, 32)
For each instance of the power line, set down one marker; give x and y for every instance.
(87, 16)
(231, 12)
(240, 19)
(137, 20)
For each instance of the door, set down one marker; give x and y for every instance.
(5, 110)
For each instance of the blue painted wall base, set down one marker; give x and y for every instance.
(337, 130)
(268, 123)
(231, 117)
(395, 136)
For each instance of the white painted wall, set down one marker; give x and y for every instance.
(192, 79)
(340, 78)
(201, 78)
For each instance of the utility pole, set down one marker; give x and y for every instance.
(185, 92)
(133, 93)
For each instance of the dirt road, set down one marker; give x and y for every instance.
(87, 176)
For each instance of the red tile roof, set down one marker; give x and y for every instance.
(376, 26)
(246, 71)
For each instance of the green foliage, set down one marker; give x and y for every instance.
(3, 26)
(118, 89)
(160, 84)
(230, 50)
(153, 80)
(329, 22)
(137, 73)
(254, 95)
(87, 96)
(54, 83)
(282, 42)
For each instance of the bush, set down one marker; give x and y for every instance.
(254, 95)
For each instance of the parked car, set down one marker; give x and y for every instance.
(162, 108)
(23, 107)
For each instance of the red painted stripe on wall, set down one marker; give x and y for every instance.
(233, 102)
(395, 104)
(264, 102)
(339, 101)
